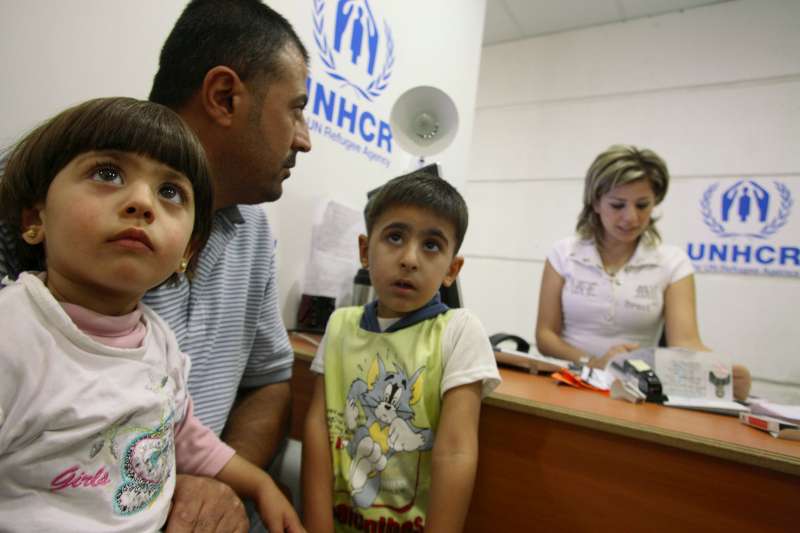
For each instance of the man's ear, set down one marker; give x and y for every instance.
(363, 249)
(452, 272)
(221, 94)
(32, 226)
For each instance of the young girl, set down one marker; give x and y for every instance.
(110, 198)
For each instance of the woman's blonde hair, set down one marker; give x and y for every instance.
(619, 165)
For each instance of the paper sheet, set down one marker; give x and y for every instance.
(333, 258)
(697, 380)
(694, 375)
(337, 233)
(785, 412)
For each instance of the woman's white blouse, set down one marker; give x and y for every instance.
(600, 310)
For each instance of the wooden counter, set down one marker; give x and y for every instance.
(554, 458)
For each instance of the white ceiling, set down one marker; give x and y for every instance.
(509, 20)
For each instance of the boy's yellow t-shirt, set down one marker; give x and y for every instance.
(383, 398)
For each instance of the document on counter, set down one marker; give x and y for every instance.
(697, 380)
(333, 258)
(790, 413)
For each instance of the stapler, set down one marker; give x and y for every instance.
(647, 380)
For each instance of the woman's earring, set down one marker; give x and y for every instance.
(183, 265)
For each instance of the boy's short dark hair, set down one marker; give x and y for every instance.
(123, 124)
(421, 189)
(245, 35)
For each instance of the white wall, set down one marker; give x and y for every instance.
(428, 52)
(56, 53)
(713, 90)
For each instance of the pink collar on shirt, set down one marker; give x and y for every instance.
(126, 331)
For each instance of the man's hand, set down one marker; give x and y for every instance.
(202, 504)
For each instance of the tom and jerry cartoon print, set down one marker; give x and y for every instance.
(386, 428)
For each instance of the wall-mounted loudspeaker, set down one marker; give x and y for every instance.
(424, 121)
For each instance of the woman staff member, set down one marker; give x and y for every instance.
(615, 286)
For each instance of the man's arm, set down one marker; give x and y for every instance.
(259, 421)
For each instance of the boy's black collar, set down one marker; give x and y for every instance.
(369, 320)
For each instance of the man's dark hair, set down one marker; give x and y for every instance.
(244, 35)
(424, 190)
(122, 124)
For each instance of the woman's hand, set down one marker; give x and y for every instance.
(602, 362)
(741, 382)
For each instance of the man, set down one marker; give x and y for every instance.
(235, 70)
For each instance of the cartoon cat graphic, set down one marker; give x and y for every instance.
(386, 399)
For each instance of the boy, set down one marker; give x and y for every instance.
(393, 424)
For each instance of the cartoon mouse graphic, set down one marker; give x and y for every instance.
(386, 399)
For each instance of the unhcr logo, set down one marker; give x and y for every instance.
(356, 52)
(360, 54)
(747, 218)
(744, 209)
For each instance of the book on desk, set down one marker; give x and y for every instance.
(782, 429)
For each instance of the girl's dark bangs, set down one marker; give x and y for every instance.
(145, 130)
